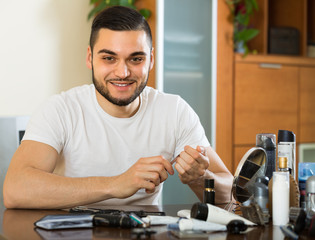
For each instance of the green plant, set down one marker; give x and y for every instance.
(241, 11)
(99, 5)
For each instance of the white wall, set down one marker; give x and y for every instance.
(42, 51)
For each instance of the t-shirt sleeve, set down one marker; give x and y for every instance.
(189, 130)
(47, 125)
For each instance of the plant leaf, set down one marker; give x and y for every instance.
(113, 2)
(100, 5)
(94, 1)
(146, 13)
(97, 9)
(125, 3)
(254, 4)
(246, 50)
(247, 34)
(243, 19)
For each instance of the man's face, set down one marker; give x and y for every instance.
(120, 63)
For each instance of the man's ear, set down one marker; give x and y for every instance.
(151, 59)
(89, 58)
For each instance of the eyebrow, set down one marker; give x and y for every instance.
(106, 51)
(138, 53)
(115, 54)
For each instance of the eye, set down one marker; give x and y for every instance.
(108, 58)
(137, 60)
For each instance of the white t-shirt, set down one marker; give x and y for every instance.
(94, 143)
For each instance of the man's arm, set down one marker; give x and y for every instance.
(194, 165)
(31, 183)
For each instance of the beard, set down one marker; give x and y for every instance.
(117, 101)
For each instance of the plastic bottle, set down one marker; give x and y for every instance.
(261, 195)
(310, 197)
(280, 198)
(209, 192)
(305, 171)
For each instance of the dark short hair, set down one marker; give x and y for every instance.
(119, 18)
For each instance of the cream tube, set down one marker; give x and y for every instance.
(160, 220)
(210, 213)
(198, 225)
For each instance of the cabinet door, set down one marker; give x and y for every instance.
(265, 100)
(307, 104)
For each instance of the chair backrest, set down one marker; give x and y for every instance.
(11, 133)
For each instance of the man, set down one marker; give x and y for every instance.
(113, 141)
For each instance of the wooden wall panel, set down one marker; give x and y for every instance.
(225, 56)
(150, 4)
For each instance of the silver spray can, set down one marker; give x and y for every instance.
(287, 148)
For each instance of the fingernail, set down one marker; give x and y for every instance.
(202, 150)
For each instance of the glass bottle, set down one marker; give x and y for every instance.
(209, 192)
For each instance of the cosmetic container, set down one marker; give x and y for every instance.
(210, 213)
(287, 148)
(280, 198)
(261, 196)
(310, 197)
(209, 192)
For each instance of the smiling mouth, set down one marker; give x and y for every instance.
(121, 84)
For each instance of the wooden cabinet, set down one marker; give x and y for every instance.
(252, 98)
(272, 93)
(299, 15)
(307, 105)
(265, 100)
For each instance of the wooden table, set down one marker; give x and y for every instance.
(19, 224)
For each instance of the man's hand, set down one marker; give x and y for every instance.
(191, 164)
(146, 173)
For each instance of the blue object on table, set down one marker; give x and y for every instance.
(306, 170)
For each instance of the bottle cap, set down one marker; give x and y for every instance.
(199, 211)
(286, 136)
(283, 162)
(263, 180)
(209, 183)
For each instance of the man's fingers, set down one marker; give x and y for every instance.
(192, 163)
(202, 150)
(168, 166)
(159, 164)
(179, 169)
(199, 154)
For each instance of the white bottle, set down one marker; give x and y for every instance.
(280, 198)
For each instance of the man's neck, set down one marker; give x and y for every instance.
(118, 111)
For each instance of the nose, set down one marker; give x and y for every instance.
(121, 70)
